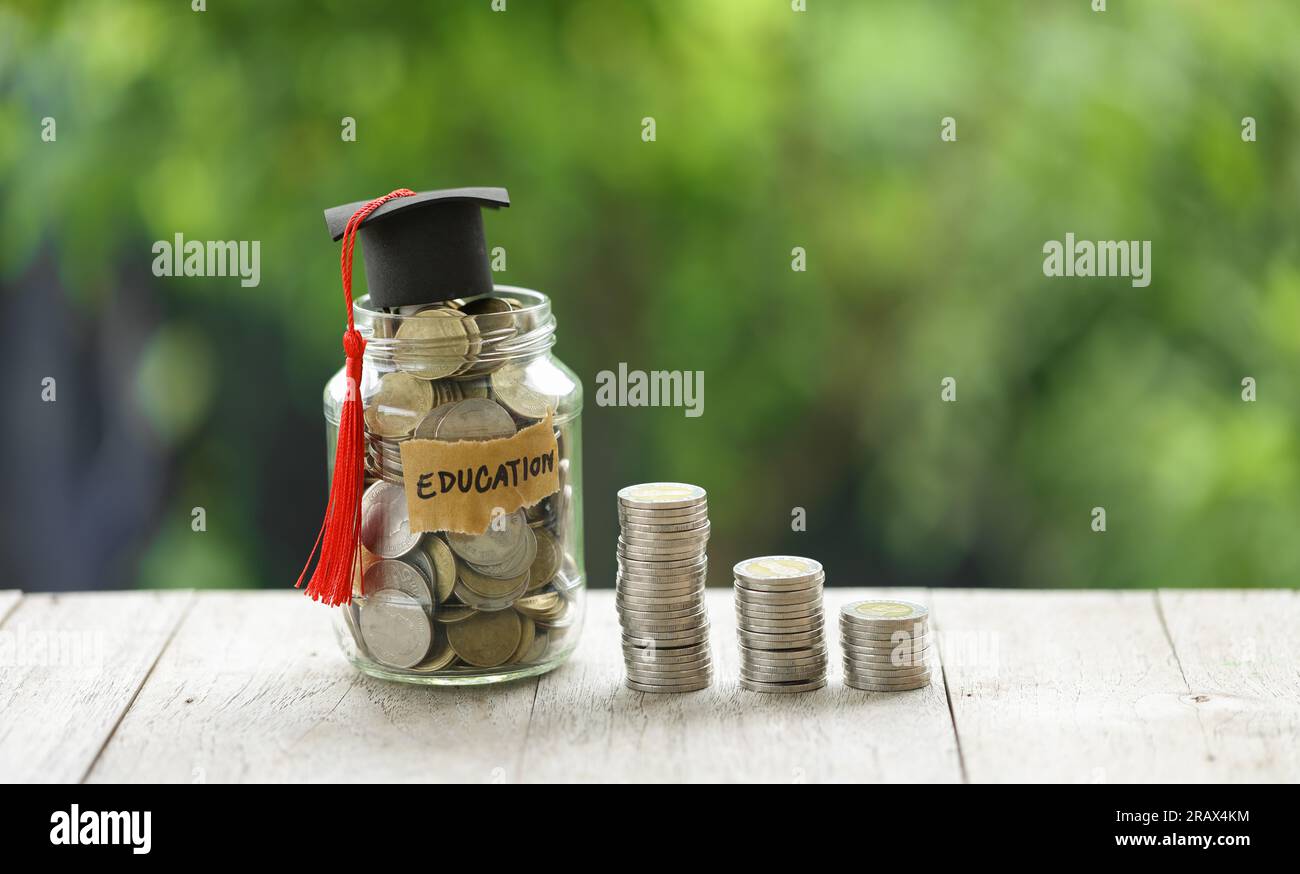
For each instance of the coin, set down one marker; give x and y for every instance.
(398, 405)
(488, 603)
(444, 566)
(694, 686)
(427, 429)
(396, 628)
(547, 561)
(454, 613)
(385, 526)
(527, 633)
(783, 688)
(510, 386)
(778, 567)
(884, 614)
(486, 640)
(435, 343)
(394, 574)
(661, 496)
(440, 656)
(475, 419)
(491, 587)
(494, 546)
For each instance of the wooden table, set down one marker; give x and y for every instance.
(1075, 686)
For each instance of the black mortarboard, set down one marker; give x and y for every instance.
(424, 248)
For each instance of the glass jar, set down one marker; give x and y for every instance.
(449, 608)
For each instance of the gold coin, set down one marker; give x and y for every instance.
(527, 633)
(510, 387)
(547, 563)
(490, 587)
(441, 655)
(538, 606)
(486, 640)
(444, 566)
(453, 614)
(438, 342)
(398, 405)
(476, 387)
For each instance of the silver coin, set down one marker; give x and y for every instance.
(689, 674)
(641, 626)
(689, 687)
(903, 660)
(767, 661)
(659, 521)
(783, 688)
(778, 599)
(778, 567)
(764, 640)
(667, 656)
(674, 531)
(803, 627)
(394, 574)
(783, 675)
(661, 496)
(884, 614)
(875, 673)
(639, 566)
(385, 526)
(427, 429)
(883, 642)
(495, 546)
(519, 562)
(770, 586)
(475, 419)
(489, 604)
(396, 629)
(863, 685)
(670, 612)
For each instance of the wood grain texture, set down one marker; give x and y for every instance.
(1066, 687)
(72, 666)
(1044, 686)
(588, 726)
(1240, 654)
(254, 689)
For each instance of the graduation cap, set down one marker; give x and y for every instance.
(423, 248)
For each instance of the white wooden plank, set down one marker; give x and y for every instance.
(1240, 653)
(254, 689)
(1066, 687)
(587, 726)
(71, 665)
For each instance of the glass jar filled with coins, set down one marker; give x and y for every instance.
(451, 392)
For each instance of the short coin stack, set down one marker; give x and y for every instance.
(885, 645)
(781, 624)
(662, 567)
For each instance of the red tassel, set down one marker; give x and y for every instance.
(340, 533)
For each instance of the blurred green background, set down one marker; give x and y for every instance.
(775, 129)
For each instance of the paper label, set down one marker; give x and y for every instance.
(459, 486)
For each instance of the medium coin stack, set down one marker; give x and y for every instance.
(781, 624)
(662, 567)
(885, 645)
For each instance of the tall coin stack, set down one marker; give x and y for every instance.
(885, 645)
(662, 567)
(781, 624)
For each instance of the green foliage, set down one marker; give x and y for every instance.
(775, 129)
